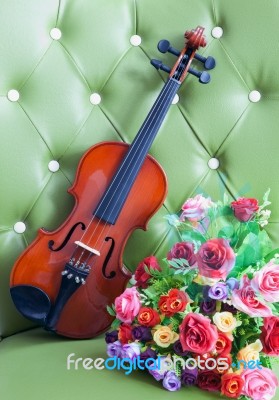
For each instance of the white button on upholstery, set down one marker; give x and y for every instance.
(135, 40)
(254, 96)
(13, 95)
(53, 166)
(19, 227)
(55, 34)
(95, 98)
(213, 163)
(175, 99)
(217, 32)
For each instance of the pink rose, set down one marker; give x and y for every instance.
(259, 384)
(197, 334)
(245, 300)
(244, 208)
(183, 250)
(266, 281)
(215, 258)
(127, 305)
(194, 209)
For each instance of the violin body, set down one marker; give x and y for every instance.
(84, 314)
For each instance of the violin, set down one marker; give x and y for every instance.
(65, 279)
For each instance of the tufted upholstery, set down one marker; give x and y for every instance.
(48, 116)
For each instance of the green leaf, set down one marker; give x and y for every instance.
(253, 249)
(266, 195)
(192, 236)
(265, 243)
(275, 308)
(111, 311)
(115, 324)
(174, 264)
(193, 290)
(226, 232)
(150, 292)
(271, 255)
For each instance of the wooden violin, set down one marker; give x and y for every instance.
(65, 279)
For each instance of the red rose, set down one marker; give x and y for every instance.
(221, 360)
(209, 380)
(174, 302)
(148, 317)
(244, 208)
(141, 276)
(270, 336)
(197, 334)
(215, 258)
(125, 333)
(162, 304)
(183, 250)
(232, 385)
(223, 344)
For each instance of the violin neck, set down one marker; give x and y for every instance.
(114, 198)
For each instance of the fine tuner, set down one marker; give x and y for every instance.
(164, 46)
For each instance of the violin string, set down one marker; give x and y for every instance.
(140, 140)
(137, 156)
(166, 91)
(180, 69)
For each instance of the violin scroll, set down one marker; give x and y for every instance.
(194, 39)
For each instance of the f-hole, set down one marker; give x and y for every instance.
(108, 256)
(67, 238)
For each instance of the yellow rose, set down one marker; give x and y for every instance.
(250, 352)
(164, 336)
(226, 322)
(203, 280)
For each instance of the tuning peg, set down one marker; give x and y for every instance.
(159, 65)
(209, 62)
(164, 47)
(204, 76)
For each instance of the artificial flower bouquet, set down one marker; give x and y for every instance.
(208, 315)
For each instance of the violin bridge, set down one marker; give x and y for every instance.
(84, 246)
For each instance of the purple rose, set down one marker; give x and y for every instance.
(148, 353)
(189, 376)
(158, 374)
(208, 306)
(183, 250)
(130, 350)
(114, 349)
(228, 308)
(171, 381)
(232, 283)
(111, 337)
(142, 333)
(177, 347)
(205, 291)
(219, 291)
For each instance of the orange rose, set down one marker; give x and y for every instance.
(232, 385)
(174, 302)
(148, 317)
(125, 333)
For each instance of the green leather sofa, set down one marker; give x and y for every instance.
(54, 55)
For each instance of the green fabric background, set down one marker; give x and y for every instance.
(54, 120)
